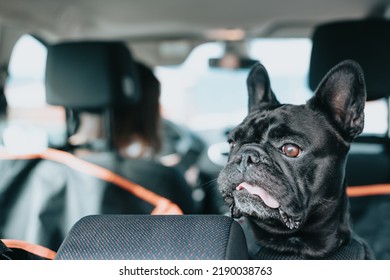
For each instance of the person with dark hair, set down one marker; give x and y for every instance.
(137, 127)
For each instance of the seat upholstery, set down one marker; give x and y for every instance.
(145, 237)
(160, 179)
(365, 41)
(85, 75)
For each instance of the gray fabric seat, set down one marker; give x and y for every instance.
(101, 77)
(145, 237)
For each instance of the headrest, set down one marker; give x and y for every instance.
(90, 75)
(367, 42)
(147, 237)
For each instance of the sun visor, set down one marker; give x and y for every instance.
(91, 75)
(367, 42)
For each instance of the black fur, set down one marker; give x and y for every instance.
(312, 219)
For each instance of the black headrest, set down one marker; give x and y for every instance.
(90, 75)
(146, 237)
(366, 41)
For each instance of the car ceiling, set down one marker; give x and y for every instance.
(146, 23)
(74, 19)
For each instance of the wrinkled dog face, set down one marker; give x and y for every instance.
(287, 161)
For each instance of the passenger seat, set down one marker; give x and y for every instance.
(99, 76)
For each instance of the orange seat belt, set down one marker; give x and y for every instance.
(32, 248)
(368, 190)
(162, 205)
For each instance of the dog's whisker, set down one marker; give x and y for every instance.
(327, 202)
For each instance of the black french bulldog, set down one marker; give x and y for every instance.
(286, 166)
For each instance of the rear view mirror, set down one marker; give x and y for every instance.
(232, 61)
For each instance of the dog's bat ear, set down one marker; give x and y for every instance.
(342, 96)
(259, 88)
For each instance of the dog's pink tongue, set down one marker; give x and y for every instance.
(269, 200)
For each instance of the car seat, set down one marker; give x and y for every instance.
(368, 165)
(99, 76)
(140, 237)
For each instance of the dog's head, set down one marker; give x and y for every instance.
(287, 161)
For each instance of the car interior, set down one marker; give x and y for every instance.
(59, 59)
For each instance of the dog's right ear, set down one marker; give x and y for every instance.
(259, 88)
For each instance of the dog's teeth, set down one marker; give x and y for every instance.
(283, 215)
(290, 222)
(286, 221)
(232, 210)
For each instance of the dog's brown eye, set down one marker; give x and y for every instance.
(291, 150)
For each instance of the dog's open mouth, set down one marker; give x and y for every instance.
(271, 202)
(268, 199)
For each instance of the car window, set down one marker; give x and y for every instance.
(29, 117)
(206, 98)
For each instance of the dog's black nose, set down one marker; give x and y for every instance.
(246, 159)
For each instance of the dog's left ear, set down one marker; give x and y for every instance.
(342, 96)
(259, 88)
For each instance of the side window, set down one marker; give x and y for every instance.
(32, 125)
(375, 117)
